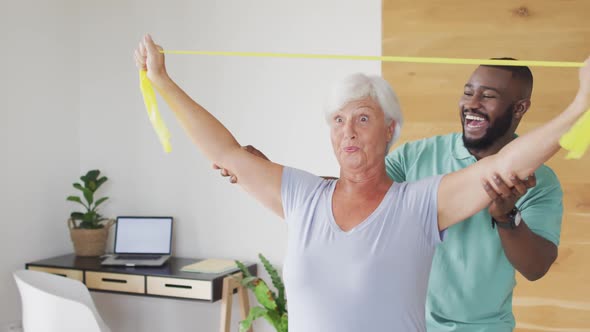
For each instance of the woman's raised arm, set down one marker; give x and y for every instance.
(258, 176)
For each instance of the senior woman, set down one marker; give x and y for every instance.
(360, 247)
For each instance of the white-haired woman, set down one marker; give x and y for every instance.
(360, 247)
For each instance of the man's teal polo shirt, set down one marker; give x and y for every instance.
(471, 282)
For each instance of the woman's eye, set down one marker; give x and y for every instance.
(338, 120)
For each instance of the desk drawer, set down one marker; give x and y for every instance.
(68, 273)
(115, 282)
(186, 288)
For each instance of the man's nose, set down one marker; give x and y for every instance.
(471, 102)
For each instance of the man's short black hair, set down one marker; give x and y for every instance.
(520, 73)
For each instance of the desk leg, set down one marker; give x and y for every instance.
(244, 302)
(230, 284)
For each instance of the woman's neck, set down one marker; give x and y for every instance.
(365, 180)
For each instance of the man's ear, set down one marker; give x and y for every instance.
(521, 107)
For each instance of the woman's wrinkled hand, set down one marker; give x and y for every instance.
(149, 58)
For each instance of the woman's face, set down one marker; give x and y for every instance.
(359, 134)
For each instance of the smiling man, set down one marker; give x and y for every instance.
(472, 277)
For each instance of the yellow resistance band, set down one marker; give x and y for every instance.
(576, 141)
(149, 98)
(449, 61)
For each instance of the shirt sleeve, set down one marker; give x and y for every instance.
(542, 206)
(297, 187)
(422, 198)
(395, 164)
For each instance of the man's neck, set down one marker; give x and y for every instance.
(492, 149)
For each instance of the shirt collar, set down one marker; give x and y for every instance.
(459, 149)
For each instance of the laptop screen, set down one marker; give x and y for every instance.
(143, 235)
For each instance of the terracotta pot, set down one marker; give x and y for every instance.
(89, 242)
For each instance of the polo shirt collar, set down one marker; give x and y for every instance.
(459, 149)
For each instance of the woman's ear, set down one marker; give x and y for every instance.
(391, 130)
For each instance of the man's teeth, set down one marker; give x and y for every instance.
(474, 118)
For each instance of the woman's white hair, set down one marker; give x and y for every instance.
(359, 86)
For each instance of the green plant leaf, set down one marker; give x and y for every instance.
(78, 186)
(90, 225)
(87, 218)
(270, 310)
(255, 312)
(274, 318)
(264, 295)
(92, 175)
(276, 281)
(248, 282)
(89, 195)
(92, 186)
(75, 199)
(76, 215)
(91, 217)
(284, 324)
(99, 201)
(100, 181)
(243, 268)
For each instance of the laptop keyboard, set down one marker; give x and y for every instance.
(140, 257)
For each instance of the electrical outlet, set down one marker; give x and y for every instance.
(15, 326)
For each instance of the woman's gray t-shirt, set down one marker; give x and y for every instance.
(371, 278)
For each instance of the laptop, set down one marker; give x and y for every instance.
(141, 241)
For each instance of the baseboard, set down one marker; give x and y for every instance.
(14, 326)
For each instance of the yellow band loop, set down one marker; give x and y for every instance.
(577, 140)
(151, 105)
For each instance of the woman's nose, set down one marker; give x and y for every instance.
(349, 130)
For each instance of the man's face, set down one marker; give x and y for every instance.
(486, 107)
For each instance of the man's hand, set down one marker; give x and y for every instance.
(505, 197)
(225, 172)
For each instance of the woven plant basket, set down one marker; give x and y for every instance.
(89, 242)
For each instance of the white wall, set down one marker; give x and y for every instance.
(39, 135)
(274, 104)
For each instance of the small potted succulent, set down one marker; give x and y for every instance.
(273, 306)
(89, 229)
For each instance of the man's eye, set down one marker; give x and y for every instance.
(467, 93)
(364, 118)
(338, 120)
(489, 96)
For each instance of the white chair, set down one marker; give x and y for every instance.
(52, 303)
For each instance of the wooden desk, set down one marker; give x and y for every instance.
(166, 281)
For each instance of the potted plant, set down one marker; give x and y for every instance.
(274, 306)
(89, 229)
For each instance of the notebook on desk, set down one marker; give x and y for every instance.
(211, 265)
(141, 241)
